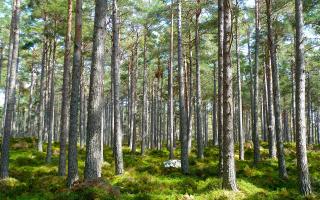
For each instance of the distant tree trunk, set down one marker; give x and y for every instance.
(198, 85)
(229, 172)
(42, 97)
(145, 95)
(270, 113)
(51, 104)
(65, 94)
(75, 99)
(255, 134)
(293, 103)
(220, 79)
(12, 67)
(264, 120)
(1, 59)
(116, 89)
(276, 94)
(214, 109)
(302, 161)
(183, 111)
(170, 90)
(93, 150)
(32, 83)
(240, 131)
(134, 95)
(191, 98)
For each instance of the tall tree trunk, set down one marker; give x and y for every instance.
(198, 85)
(42, 100)
(145, 95)
(93, 154)
(229, 172)
(65, 94)
(214, 109)
(276, 94)
(270, 113)
(116, 90)
(51, 104)
(75, 99)
(12, 67)
(220, 79)
(302, 161)
(182, 107)
(240, 131)
(170, 89)
(255, 134)
(32, 83)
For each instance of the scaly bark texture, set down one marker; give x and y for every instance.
(65, 95)
(116, 90)
(229, 172)
(170, 90)
(276, 94)
(183, 111)
(11, 100)
(75, 99)
(255, 134)
(93, 150)
(301, 146)
(198, 86)
(220, 87)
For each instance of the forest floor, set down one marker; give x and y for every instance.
(146, 178)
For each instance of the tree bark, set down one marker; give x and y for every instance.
(240, 131)
(75, 99)
(93, 150)
(65, 94)
(116, 90)
(229, 172)
(198, 85)
(255, 134)
(276, 95)
(301, 146)
(12, 67)
(183, 111)
(220, 79)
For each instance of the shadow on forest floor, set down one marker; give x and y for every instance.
(146, 178)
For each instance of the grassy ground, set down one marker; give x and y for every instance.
(145, 177)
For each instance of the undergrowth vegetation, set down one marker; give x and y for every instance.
(146, 178)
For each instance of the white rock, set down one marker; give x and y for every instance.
(172, 164)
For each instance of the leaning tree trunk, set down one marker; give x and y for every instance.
(302, 161)
(65, 95)
(229, 172)
(198, 91)
(75, 99)
(116, 90)
(276, 94)
(12, 67)
(182, 107)
(93, 150)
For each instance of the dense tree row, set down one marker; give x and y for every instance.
(160, 74)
